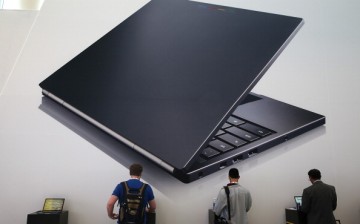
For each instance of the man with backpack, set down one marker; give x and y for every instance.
(233, 201)
(133, 196)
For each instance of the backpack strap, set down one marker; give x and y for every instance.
(125, 188)
(142, 188)
(121, 203)
(142, 192)
(227, 191)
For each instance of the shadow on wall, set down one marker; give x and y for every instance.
(155, 175)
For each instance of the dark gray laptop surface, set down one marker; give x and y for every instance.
(173, 82)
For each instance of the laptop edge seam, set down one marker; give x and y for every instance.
(130, 144)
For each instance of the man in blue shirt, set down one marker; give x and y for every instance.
(133, 182)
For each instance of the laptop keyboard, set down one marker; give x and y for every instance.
(235, 133)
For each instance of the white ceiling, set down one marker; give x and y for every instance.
(21, 4)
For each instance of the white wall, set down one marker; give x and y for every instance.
(46, 151)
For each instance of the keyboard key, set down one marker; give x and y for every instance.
(220, 145)
(226, 125)
(242, 134)
(235, 121)
(220, 132)
(209, 152)
(232, 140)
(255, 129)
(234, 133)
(201, 160)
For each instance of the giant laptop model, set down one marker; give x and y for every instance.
(173, 83)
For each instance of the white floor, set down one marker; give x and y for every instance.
(45, 151)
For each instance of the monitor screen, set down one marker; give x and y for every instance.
(298, 200)
(53, 204)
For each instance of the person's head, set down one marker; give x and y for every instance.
(234, 174)
(314, 175)
(136, 170)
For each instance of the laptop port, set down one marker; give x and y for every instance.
(237, 159)
(252, 153)
(222, 165)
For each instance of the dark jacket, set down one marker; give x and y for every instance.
(318, 202)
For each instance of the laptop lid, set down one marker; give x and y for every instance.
(53, 205)
(164, 80)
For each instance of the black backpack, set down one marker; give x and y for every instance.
(132, 209)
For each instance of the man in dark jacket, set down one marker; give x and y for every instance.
(319, 200)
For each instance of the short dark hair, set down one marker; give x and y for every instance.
(315, 174)
(234, 173)
(136, 170)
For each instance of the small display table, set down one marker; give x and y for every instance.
(48, 218)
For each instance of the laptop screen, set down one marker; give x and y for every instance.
(53, 204)
(298, 200)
